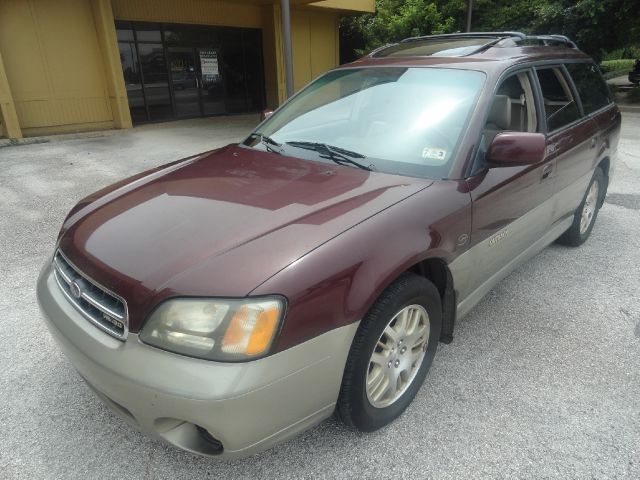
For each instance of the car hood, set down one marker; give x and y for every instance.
(219, 224)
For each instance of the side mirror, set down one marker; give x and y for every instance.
(264, 114)
(509, 149)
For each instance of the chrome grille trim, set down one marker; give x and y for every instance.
(100, 306)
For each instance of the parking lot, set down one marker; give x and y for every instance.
(542, 378)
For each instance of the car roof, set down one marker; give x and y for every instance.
(475, 51)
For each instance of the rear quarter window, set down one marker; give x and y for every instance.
(561, 109)
(591, 87)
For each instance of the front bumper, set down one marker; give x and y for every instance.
(247, 407)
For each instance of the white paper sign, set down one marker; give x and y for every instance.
(209, 64)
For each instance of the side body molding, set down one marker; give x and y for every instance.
(516, 235)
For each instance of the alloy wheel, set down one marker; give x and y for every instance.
(397, 356)
(589, 208)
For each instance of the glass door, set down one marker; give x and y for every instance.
(185, 79)
(212, 88)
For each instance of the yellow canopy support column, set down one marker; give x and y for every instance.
(8, 115)
(273, 51)
(107, 39)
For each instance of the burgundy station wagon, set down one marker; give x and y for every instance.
(230, 300)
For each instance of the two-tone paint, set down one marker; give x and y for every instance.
(237, 222)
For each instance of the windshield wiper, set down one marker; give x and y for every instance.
(338, 155)
(268, 142)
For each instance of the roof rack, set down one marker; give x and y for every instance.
(447, 36)
(491, 39)
(499, 35)
(550, 38)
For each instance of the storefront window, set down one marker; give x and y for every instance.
(132, 81)
(254, 68)
(131, 71)
(233, 72)
(124, 31)
(148, 32)
(179, 71)
(156, 81)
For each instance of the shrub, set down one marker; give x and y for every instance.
(632, 51)
(634, 95)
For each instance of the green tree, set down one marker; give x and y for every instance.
(597, 26)
(393, 21)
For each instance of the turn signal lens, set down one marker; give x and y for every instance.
(252, 329)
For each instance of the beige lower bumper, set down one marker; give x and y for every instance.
(248, 407)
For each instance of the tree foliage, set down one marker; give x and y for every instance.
(597, 26)
(393, 20)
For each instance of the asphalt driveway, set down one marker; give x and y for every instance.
(542, 379)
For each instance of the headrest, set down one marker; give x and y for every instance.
(500, 114)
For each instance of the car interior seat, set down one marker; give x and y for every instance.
(499, 118)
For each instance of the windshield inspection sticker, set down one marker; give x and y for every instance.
(434, 153)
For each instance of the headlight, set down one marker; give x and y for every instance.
(214, 329)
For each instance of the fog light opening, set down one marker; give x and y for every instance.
(207, 437)
(188, 436)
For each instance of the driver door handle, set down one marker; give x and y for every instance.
(546, 171)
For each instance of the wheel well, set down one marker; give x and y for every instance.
(605, 165)
(436, 271)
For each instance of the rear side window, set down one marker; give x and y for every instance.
(560, 107)
(592, 89)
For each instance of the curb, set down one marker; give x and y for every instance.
(16, 142)
(61, 137)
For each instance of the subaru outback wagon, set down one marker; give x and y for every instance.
(227, 301)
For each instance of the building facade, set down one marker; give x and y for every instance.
(76, 65)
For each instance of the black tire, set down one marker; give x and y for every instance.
(573, 237)
(354, 407)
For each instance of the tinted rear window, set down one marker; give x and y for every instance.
(591, 87)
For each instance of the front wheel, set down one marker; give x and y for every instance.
(391, 353)
(585, 217)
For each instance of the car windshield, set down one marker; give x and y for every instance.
(406, 121)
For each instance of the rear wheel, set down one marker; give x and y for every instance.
(391, 353)
(586, 214)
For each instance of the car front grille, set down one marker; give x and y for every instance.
(101, 307)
